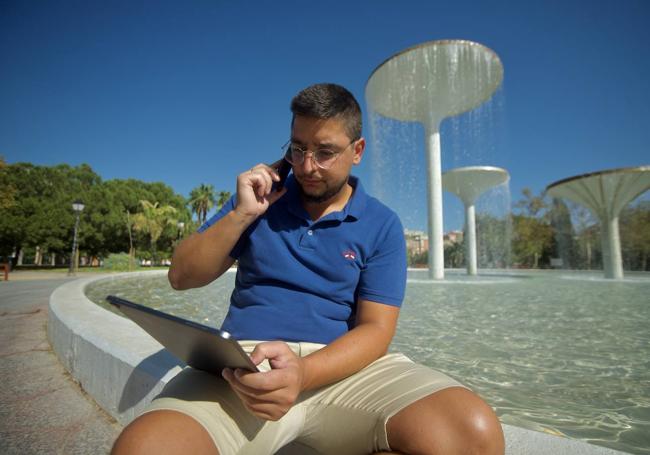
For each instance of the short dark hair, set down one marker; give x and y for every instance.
(326, 101)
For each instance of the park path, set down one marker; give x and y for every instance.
(42, 410)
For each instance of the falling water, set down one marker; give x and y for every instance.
(425, 85)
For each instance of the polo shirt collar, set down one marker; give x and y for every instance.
(353, 209)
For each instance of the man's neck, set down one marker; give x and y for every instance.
(336, 203)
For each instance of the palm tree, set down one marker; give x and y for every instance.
(202, 199)
(152, 221)
(223, 197)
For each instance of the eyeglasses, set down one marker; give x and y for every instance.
(323, 158)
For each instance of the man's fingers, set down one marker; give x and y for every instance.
(261, 182)
(275, 195)
(259, 386)
(270, 350)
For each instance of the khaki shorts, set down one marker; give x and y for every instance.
(347, 417)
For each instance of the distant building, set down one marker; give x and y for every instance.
(452, 237)
(417, 242)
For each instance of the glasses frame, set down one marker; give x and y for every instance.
(286, 148)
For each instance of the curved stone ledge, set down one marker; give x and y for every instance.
(123, 369)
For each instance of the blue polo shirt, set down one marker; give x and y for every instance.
(299, 279)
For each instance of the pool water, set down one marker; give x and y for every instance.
(565, 353)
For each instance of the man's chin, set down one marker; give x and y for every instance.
(316, 198)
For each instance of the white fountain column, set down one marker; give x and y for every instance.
(470, 239)
(610, 241)
(434, 198)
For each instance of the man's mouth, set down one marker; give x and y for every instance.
(310, 182)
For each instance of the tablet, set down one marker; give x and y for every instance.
(199, 346)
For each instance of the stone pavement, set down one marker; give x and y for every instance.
(42, 410)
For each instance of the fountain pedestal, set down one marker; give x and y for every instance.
(605, 194)
(468, 183)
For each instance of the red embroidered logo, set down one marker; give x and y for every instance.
(349, 254)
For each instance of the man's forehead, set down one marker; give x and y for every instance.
(318, 129)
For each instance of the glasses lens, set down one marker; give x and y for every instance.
(325, 158)
(296, 154)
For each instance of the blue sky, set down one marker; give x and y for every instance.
(196, 91)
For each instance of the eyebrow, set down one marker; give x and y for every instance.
(320, 144)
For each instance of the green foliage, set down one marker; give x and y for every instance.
(7, 190)
(37, 212)
(532, 235)
(202, 199)
(120, 262)
(415, 259)
(635, 236)
(455, 254)
(153, 220)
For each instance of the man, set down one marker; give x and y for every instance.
(321, 277)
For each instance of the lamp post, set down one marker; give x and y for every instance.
(181, 227)
(78, 207)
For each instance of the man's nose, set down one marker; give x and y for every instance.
(308, 164)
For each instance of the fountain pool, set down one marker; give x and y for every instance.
(552, 351)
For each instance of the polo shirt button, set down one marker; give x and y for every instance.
(310, 232)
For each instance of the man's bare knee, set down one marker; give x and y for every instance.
(453, 420)
(164, 432)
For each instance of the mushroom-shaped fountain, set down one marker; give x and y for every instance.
(468, 183)
(428, 83)
(605, 194)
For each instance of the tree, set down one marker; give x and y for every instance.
(42, 217)
(635, 236)
(152, 221)
(532, 233)
(7, 190)
(454, 254)
(202, 199)
(565, 246)
(531, 205)
(222, 198)
(532, 238)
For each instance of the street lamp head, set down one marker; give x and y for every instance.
(78, 206)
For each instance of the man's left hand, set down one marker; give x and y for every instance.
(269, 395)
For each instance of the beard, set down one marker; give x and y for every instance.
(325, 195)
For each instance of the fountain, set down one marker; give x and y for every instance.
(468, 183)
(605, 194)
(428, 83)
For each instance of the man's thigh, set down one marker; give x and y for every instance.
(350, 417)
(210, 401)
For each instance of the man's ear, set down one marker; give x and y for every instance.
(359, 148)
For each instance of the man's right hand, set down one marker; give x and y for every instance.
(255, 191)
(203, 257)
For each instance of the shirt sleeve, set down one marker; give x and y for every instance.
(383, 278)
(225, 209)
